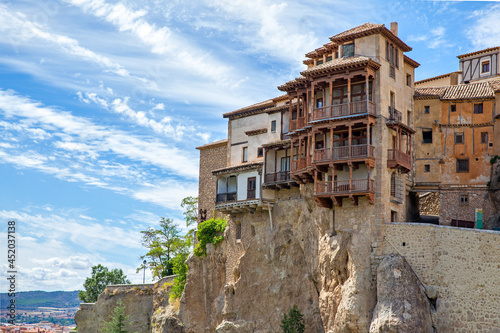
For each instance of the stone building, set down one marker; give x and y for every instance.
(457, 124)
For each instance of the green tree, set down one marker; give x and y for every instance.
(180, 268)
(119, 321)
(101, 277)
(190, 205)
(163, 244)
(293, 322)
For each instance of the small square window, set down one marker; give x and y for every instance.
(320, 62)
(464, 199)
(329, 59)
(348, 50)
(427, 168)
(245, 154)
(485, 67)
(484, 137)
(273, 126)
(427, 109)
(459, 138)
(408, 80)
(453, 108)
(427, 136)
(260, 152)
(478, 108)
(463, 165)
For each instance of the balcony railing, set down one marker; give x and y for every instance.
(342, 110)
(225, 197)
(277, 177)
(299, 164)
(343, 153)
(395, 115)
(396, 157)
(342, 187)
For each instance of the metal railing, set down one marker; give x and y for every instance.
(343, 186)
(395, 115)
(225, 197)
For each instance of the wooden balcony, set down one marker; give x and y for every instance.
(297, 124)
(343, 154)
(397, 159)
(299, 164)
(301, 172)
(343, 110)
(278, 180)
(337, 190)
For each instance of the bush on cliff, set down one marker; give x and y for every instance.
(209, 231)
(293, 322)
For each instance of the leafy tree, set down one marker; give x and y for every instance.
(209, 231)
(119, 320)
(293, 322)
(180, 268)
(190, 205)
(163, 244)
(101, 277)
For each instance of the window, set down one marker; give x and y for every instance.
(463, 165)
(238, 231)
(245, 154)
(459, 138)
(453, 108)
(394, 216)
(408, 80)
(251, 186)
(260, 152)
(427, 109)
(348, 50)
(427, 168)
(273, 126)
(319, 102)
(320, 62)
(485, 67)
(329, 59)
(484, 137)
(478, 108)
(464, 199)
(426, 136)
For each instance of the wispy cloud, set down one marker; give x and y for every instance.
(485, 30)
(436, 38)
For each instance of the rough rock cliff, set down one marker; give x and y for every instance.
(494, 190)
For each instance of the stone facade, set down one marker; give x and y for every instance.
(212, 157)
(461, 265)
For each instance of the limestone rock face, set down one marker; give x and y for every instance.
(138, 302)
(203, 298)
(402, 304)
(495, 186)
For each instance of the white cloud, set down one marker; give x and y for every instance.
(435, 39)
(485, 31)
(168, 193)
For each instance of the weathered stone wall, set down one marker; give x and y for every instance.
(212, 156)
(453, 209)
(462, 265)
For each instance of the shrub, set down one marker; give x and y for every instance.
(293, 322)
(494, 159)
(209, 231)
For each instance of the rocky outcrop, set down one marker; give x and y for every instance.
(202, 302)
(494, 195)
(402, 305)
(429, 203)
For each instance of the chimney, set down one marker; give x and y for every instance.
(394, 28)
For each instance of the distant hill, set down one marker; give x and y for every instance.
(26, 300)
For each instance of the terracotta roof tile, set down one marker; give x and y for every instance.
(213, 144)
(411, 62)
(253, 107)
(496, 48)
(278, 143)
(338, 63)
(366, 30)
(436, 77)
(239, 167)
(429, 92)
(478, 90)
(495, 85)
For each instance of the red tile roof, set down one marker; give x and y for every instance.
(339, 63)
(429, 92)
(366, 30)
(411, 62)
(496, 48)
(480, 90)
(213, 144)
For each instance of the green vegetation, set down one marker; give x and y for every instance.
(101, 277)
(210, 231)
(293, 322)
(168, 250)
(119, 320)
(494, 159)
(30, 300)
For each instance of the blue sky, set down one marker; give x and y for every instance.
(102, 104)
